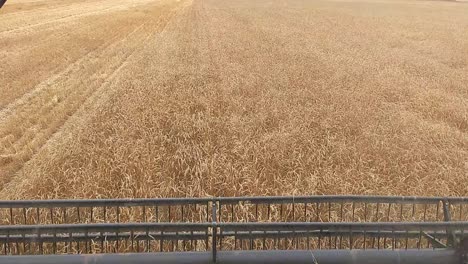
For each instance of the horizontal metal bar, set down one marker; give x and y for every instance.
(229, 200)
(121, 227)
(241, 257)
(47, 238)
(102, 202)
(88, 232)
(106, 237)
(344, 226)
(325, 233)
(342, 198)
(250, 226)
(203, 235)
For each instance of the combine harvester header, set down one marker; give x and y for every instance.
(312, 229)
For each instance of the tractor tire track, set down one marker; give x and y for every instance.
(30, 59)
(10, 108)
(60, 16)
(43, 112)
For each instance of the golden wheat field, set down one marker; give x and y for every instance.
(175, 98)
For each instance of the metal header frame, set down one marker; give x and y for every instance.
(331, 226)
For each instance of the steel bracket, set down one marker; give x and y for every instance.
(463, 250)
